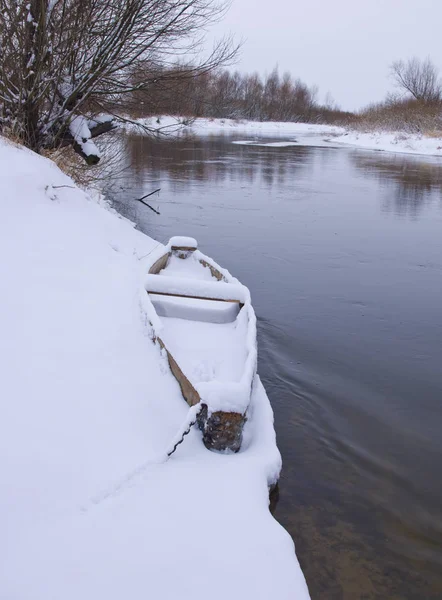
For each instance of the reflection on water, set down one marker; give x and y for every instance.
(191, 160)
(409, 182)
(347, 293)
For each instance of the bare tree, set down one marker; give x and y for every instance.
(271, 95)
(330, 103)
(418, 78)
(225, 94)
(252, 96)
(64, 61)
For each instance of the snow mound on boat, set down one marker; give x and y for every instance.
(181, 241)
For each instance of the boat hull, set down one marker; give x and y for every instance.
(222, 430)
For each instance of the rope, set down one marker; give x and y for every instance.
(192, 414)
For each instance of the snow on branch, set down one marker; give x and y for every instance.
(83, 144)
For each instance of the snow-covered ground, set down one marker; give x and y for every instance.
(298, 134)
(89, 507)
(203, 127)
(392, 142)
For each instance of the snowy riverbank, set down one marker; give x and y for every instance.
(404, 143)
(206, 127)
(297, 134)
(89, 508)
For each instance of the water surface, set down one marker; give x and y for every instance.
(342, 252)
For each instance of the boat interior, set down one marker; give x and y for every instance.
(201, 315)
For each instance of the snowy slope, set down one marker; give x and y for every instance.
(88, 507)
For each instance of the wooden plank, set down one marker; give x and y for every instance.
(189, 393)
(185, 248)
(195, 288)
(182, 252)
(213, 270)
(222, 430)
(194, 297)
(159, 265)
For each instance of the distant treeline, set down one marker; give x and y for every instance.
(223, 94)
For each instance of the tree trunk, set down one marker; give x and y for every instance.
(33, 57)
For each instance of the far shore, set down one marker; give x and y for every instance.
(303, 134)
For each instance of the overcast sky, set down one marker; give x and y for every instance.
(343, 46)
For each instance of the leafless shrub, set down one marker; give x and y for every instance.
(408, 115)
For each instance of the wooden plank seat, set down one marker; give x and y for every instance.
(194, 309)
(194, 288)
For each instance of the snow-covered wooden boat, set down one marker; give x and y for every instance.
(203, 319)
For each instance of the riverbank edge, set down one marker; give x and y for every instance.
(328, 135)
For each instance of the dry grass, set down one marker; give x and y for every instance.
(11, 137)
(433, 133)
(409, 115)
(111, 165)
(84, 176)
(73, 165)
(66, 159)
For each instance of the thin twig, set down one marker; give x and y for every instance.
(150, 194)
(146, 204)
(149, 206)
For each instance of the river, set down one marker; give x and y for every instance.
(342, 251)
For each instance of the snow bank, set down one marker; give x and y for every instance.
(392, 142)
(181, 125)
(381, 141)
(89, 508)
